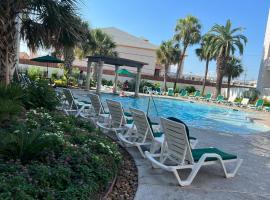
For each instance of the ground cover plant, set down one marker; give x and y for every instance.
(47, 155)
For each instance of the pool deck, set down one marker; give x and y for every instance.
(251, 182)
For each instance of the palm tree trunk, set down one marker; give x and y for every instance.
(205, 76)
(229, 86)
(219, 70)
(88, 76)
(8, 41)
(165, 77)
(179, 67)
(69, 58)
(95, 71)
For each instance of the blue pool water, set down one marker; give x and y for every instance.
(194, 114)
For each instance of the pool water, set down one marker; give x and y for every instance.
(194, 114)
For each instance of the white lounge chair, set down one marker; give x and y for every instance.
(176, 148)
(100, 113)
(75, 107)
(230, 101)
(142, 135)
(118, 121)
(243, 103)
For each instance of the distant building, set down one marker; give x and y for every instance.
(130, 47)
(134, 48)
(263, 83)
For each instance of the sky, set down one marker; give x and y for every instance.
(156, 20)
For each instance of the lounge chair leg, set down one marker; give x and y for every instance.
(140, 150)
(188, 181)
(154, 147)
(233, 173)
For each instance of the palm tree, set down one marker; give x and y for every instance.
(225, 41)
(100, 44)
(40, 24)
(68, 42)
(167, 55)
(234, 69)
(205, 53)
(187, 32)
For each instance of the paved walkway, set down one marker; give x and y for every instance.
(251, 182)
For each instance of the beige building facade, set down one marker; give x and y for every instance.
(263, 83)
(134, 48)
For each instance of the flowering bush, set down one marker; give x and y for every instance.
(40, 94)
(47, 155)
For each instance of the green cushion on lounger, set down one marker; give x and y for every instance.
(153, 123)
(85, 102)
(129, 121)
(192, 138)
(157, 134)
(197, 154)
(81, 104)
(127, 114)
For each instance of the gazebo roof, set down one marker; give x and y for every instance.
(116, 61)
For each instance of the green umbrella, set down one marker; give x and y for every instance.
(124, 72)
(47, 59)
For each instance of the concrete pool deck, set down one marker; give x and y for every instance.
(251, 182)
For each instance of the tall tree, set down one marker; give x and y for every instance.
(68, 42)
(100, 44)
(225, 40)
(167, 55)
(205, 53)
(233, 69)
(41, 22)
(187, 33)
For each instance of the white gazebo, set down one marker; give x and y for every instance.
(117, 62)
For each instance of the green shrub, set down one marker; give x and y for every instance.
(93, 83)
(54, 76)
(190, 89)
(266, 103)
(75, 73)
(34, 73)
(252, 94)
(157, 85)
(144, 84)
(40, 160)
(9, 108)
(131, 86)
(10, 101)
(177, 90)
(27, 145)
(107, 82)
(238, 100)
(40, 94)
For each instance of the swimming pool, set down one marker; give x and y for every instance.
(195, 115)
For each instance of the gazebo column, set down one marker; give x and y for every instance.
(99, 77)
(138, 80)
(115, 79)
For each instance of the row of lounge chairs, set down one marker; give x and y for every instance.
(170, 146)
(259, 105)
